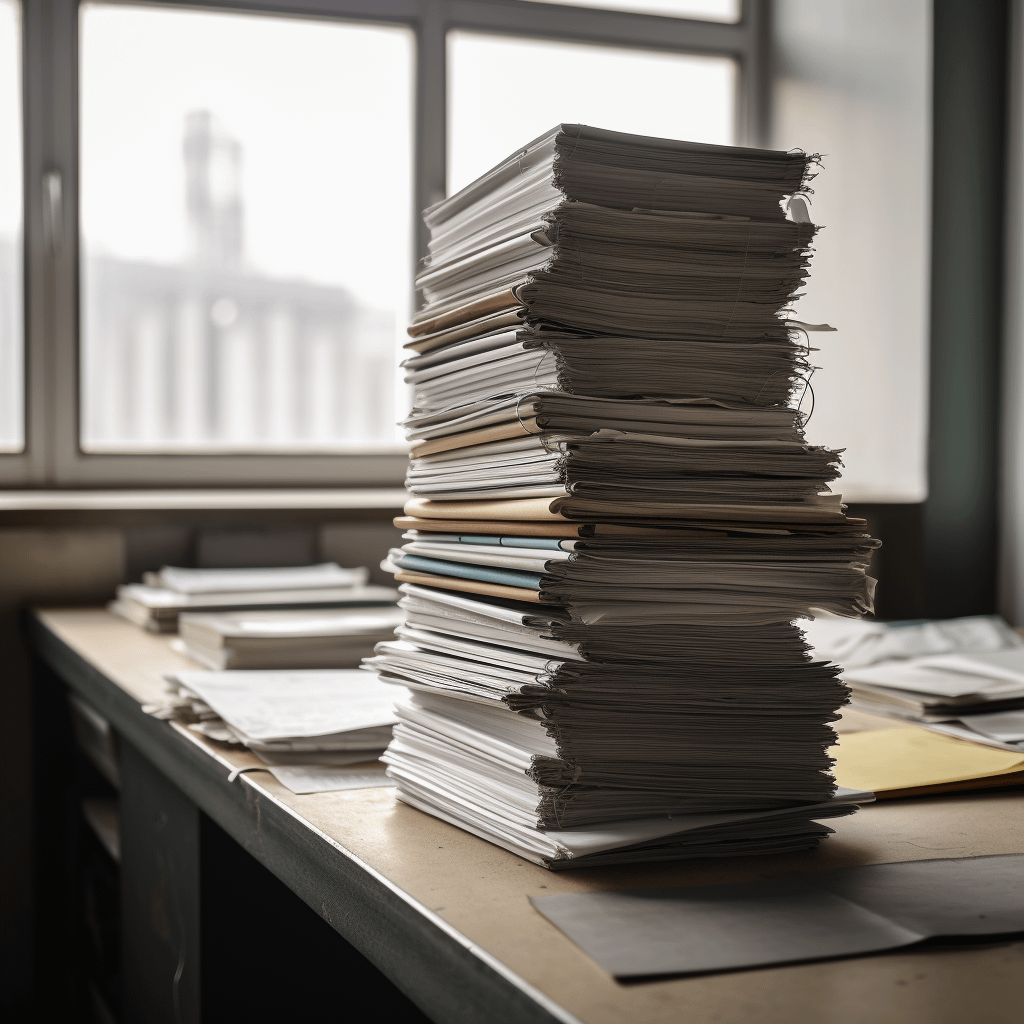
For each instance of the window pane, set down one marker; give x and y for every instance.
(12, 349)
(854, 83)
(699, 10)
(247, 231)
(668, 95)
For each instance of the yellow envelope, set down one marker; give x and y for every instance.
(915, 762)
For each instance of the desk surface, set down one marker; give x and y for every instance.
(475, 894)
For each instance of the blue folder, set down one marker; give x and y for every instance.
(463, 570)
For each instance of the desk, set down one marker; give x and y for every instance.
(445, 915)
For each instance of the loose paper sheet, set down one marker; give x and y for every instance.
(319, 779)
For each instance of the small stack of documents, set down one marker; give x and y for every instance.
(156, 603)
(311, 638)
(858, 643)
(299, 723)
(974, 696)
(962, 677)
(606, 234)
(615, 517)
(285, 716)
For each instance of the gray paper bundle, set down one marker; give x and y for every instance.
(617, 523)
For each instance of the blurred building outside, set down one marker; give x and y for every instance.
(211, 355)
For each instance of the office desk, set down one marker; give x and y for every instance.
(445, 915)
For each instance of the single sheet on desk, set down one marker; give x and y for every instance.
(266, 705)
(824, 915)
(325, 779)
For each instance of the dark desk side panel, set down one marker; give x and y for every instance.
(159, 896)
(434, 968)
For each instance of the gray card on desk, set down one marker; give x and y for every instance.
(958, 896)
(717, 927)
(824, 915)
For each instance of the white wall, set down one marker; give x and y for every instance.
(1011, 560)
(852, 81)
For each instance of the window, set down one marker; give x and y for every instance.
(246, 231)
(703, 10)
(625, 90)
(870, 275)
(12, 406)
(223, 207)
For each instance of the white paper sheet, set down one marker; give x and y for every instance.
(267, 706)
(857, 643)
(918, 677)
(318, 779)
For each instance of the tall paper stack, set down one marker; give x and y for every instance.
(616, 520)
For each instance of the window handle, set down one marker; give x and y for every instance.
(53, 213)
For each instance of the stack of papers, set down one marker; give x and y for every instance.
(305, 722)
(614, 522)
(604, 232)
(974, 696)
(285, 716)
(509, 706)
(313, 638)
(858, 643)
(156, 603)
(963, 677)
(677, 575)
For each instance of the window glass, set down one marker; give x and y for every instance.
(669, 95)
(246, 200)
(862, 97)
(699, 10)
(12, 379)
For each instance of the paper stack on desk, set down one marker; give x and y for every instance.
(616, 518)
(300, 722)
(858, 643)
(156, 603)
(311, 638)
(963, 677)
(286, 716)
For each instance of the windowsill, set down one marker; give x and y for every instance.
(276, 498)
(269, 498)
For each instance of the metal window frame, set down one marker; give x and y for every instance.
(52, 456)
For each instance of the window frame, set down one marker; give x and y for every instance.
(52, 456)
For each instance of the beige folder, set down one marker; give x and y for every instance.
(916, 762)
(583, 510)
